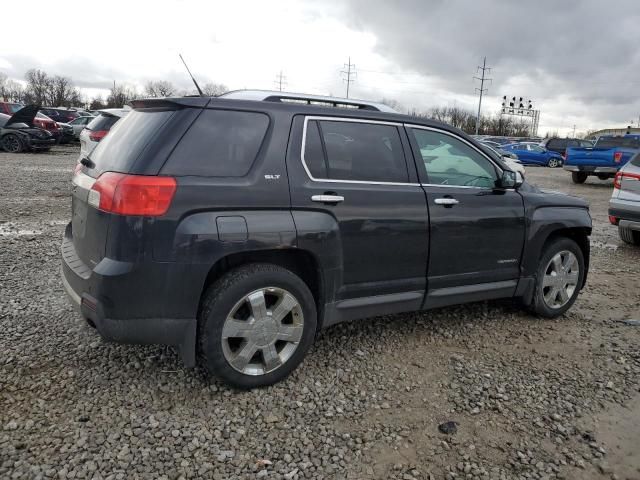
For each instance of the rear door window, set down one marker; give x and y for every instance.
(118, 151)
(615, 142)
(356, 151)
(220, 143)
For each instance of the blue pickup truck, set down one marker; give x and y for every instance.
(603, 160)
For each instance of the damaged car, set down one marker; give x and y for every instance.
(18, 133)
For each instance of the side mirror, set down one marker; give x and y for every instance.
(509, 179)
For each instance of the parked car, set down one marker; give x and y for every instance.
(533, 154)
(67, 133)
(604, 159)
(44, 122)
(9, 108)
(18, 133)
(79, 124)
(624, 206)
(509, 158)
(238, 228)
(98, 128)
(59, 114)
(560, 145)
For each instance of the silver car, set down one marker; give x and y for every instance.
(79, 124)
(624, 206)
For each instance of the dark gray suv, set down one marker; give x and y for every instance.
(236, 227)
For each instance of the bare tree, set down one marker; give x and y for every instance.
(160, 88)
(120, 95)
(38, 87)
(62, 92)
(97, 103)
(214, 89)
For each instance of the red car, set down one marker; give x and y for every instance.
(41, 120)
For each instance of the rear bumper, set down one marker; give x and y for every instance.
(625, 211)
(590, 169)
(40, 144)
(99, 295)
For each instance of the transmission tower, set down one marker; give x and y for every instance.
(349, 74)
(484, 69)
(281, 81)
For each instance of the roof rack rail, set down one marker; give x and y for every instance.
(302, 98)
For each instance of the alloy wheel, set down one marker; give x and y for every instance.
(11, 144)
(560, 279)
(262, 331)
(553, 162)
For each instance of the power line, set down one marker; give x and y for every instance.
(281, 81)
(482, 90)
(349, 72)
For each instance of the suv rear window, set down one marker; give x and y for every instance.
(220, 143)
(613, 142)
(102, 122)
(118, 151)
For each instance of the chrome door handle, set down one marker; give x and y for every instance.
(327, 198)
(446, 201)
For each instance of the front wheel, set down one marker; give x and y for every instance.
(559, 278)
(255, 326)
(12, 143)
(553, 163)
(578, 177)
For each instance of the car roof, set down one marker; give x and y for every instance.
(116, 112)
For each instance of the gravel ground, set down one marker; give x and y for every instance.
(530, 398)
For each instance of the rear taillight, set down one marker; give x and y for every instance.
(565, 155)
(617, 157)
(132, 194)
(97, 135)
(613, 220)
(617, 180)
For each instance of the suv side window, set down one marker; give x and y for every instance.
(220, 143)
(450, 161)
(359, 151)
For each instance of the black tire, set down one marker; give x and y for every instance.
(552, 247)
(12, 143)
(604, 176)
(219, 300)
(629, 236)
(579, 177)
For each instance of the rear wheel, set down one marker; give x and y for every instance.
(256, 325)
(604, 176)
(629, 236)
(559, 278)
(579, 177)
(12, 143)
(553, 163)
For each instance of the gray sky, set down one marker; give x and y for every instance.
(576, 59)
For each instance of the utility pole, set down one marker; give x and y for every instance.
(574, 132)
(349, 72)
(281, 81)
(482, 90)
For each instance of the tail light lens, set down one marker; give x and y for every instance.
(613, 220)
(617, 180)
(617, 157)
(97, 135)
(133, 194)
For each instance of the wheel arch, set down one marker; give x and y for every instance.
(580, 235)
(301, 262)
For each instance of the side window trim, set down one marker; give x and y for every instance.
(318, 118)
(457, 137)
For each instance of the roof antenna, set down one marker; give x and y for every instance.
(194, 80)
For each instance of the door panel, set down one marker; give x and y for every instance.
(477, 230)
(382, 226)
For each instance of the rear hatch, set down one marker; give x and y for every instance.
(628, 180)
(120, 152)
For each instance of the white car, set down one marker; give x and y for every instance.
(78, 124)
(509, 161)
(98, 128)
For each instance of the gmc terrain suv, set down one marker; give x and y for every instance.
(236, 227)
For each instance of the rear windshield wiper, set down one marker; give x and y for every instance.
(87, 162)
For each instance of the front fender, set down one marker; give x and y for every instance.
(543, 222)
